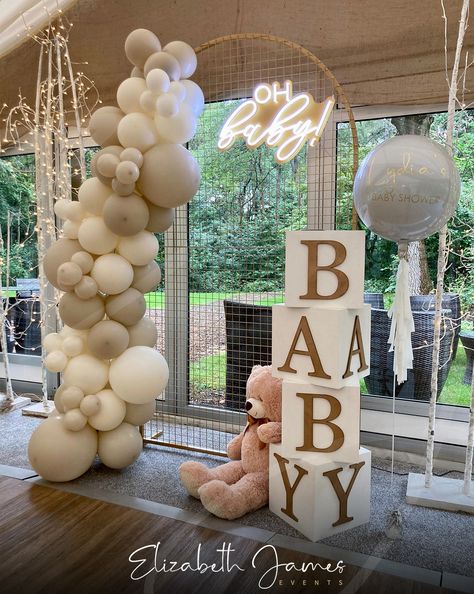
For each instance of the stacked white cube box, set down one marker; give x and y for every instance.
(319, 475)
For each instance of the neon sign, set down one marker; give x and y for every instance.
(277, 118)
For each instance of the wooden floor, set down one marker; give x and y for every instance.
(57, 542)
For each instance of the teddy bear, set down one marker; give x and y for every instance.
(233, 489)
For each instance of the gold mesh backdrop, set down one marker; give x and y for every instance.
(224, 256)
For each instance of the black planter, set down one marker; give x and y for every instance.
(248, 343)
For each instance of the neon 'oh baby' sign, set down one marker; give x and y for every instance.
(278, 118)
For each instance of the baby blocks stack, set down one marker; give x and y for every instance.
(319, 475)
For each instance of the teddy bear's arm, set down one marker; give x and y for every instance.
(234, 447)
(270, 432)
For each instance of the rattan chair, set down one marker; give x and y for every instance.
(374, 299)
(418, 384)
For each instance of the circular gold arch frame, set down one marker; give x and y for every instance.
(247, 59)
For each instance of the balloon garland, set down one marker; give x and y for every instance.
(105, 262)
(405, 190)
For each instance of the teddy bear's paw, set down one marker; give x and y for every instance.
(193, 475)
(217, 497)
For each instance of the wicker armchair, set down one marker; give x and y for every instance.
(248, 343)
(374, 299)
(418, 384)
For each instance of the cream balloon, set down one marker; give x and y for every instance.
(111, 411)
(139, 249)
(185, 55)
(160, 219)
(59, 253)
(71, 397)
(55, 361)
(163, 61)
(127, 308)
(74, 420)
(107, 165)
(73, 346)
(112, 273)
(120, 447)
(61, 208)
(60, 455)
(90, 405)
(178, 128)
(122, 189)
(169, 176)
(126, 215)
(158, 81)
(132, 154)
(87, 373)
(107, 339)
(128, 94)
(139, 375)
(178, 90)
(194, 96)
(136, 130)
(74, 210)
(103, 125)
(71, 229)
(57, 399)
(52, 342)
(92, 195)
(127, 172)
(86, 288)
(109, 150)
(146, 278)
(69, 273)
(95, 237)
(144, 333)
(139, 45)
(84, 260)
(148, 102)
(81, 313)
(139, 414)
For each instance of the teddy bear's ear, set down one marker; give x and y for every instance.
(256, 368)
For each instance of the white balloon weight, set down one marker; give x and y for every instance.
(185, 55)
(169, 176)
(179, 128)
(112, 273)
(139, 375)
(139, 414)
(120, 447)
(95, 237)
(406, 188)
(111, 411)
(128, 94)
(87, 373)
(136, 130)
(60, 455)
(139, 249)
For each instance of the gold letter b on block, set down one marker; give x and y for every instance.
(314, 268)
(309, 422)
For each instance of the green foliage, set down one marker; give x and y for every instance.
(208, 373)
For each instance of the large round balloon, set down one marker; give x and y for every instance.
(111, 411)
(59, 253)
(169, 176)
(127, 308)
(81, 313)
(146, 278)
(95, 237)
(87, 373)
(108, 339)
(139, 45)
(112, 273)
(126, 215)
(93, 194)
(139, 375)
(121, 446)
(58, 454)
(406, 188)
(144, 333)
(103, 125)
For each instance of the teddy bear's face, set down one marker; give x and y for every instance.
(263, 394)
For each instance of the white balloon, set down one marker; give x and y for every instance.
(137, 72)
(132, 154)
(147, 102)
(122, 189)
(144, 333)
(71, 229)
(92, 195)
(57, 399)
(86, 288)
(128, 94)
(167, 105)
(55, 362)
(163, 61)
(139, 249)
(120, 447)
(194, 96)
(158, 81)
(140, 44)
(74, 210)
(127, 172)
(87, 373)
(139, 375)
(84, 260)
(178, 90)
(73, 346)
(178, 128)
(71, 397)
(61, 208)
(60, 455)
(69, 274)
(107, 164)
(90, 405)
(75, 420)
(185, 55)
(95, 237)
(112, 273)
(136, 130)
(52, 342)
(139, 414)
(111, 413)
(103, 125)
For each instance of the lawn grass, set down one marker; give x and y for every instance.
(454, 391)
(156, 300)
(208, 373)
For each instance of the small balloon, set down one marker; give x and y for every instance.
(167, 105)
(185, 55)
(136, 130)
(75, 420)
(146, 278)
(112, 273)
(90, 405)
(158, 81)
(122, 189)
(109, 150)
(144, 333)
(72, 346)
(84, 260)
(69, 273)
(74, 210)
(163, 61)
(59, 253)
(86, 288)
(178, 90)
(71, 397)
(147, 102)
(55, 361)
(103, 125)
(127, 308)
(132, 154)
(127, 172)
(52, 342)
(61, 207)
(71, 229)
(107, 164)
